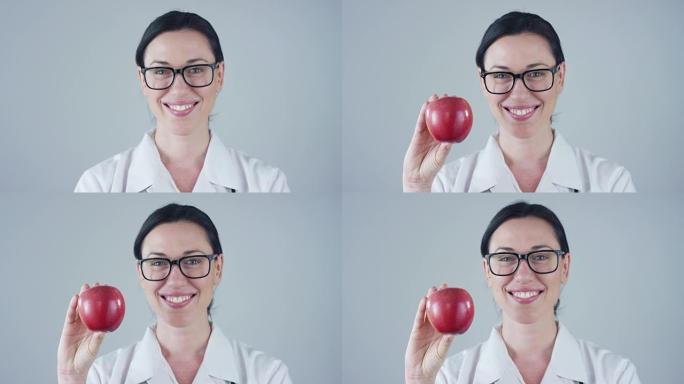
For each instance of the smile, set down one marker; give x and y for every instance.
(521, 113)
(181, 110)
(525, 297)
(178, 301)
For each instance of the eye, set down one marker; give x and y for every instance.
(158, 263)
(192, 261)
(536, 74)
(160, 72)
(502, 76)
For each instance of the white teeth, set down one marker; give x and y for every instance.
(177, 299)
(525, 295)
(180, 108)
(521, 112)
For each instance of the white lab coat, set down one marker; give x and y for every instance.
(572, 361)
(140, 169)
(567, 170)
(225, 361)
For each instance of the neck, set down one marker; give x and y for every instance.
(527, 340)
(183, 342)
(182, 150)
(527, 151)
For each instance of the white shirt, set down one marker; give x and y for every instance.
(567, 170)
(225, 361)
(140, 169)
(572, 361)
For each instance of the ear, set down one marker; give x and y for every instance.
(561, 77)
(220, 75)
(487, 272)
(565, 267)
(481, 81)
(141, 79)
(218, 269)
(141, 279)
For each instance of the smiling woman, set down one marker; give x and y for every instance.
(521, 69)
(181, 72)
(525, 263)
(183, 346)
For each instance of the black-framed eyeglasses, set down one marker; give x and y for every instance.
(196, 75)
(536, 80)
(192, 267)
(541, 261)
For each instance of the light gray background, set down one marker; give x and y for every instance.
(624, 291)
(621, 100)
(280, 290)
(71, 97)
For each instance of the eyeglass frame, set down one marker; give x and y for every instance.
(177, 263)
(520, 76)
(525, 256)
(180, 71)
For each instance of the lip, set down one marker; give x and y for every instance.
(532, 110)
(182, 107)
(525, 300)
(177, 305)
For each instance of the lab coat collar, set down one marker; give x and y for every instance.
(495, 365)
(149, 365)
(148, 173)
(491, 172)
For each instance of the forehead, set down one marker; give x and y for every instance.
(523, 234)
(177, 47)
(517, 52)
(173, 239)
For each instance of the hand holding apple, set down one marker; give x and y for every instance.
(449, 119)
(78, 345)
(427, 349)
(425, 156)
(451, 310)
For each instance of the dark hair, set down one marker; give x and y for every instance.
(521, 210)
(174, 213)
(514, 23)
(176, 21)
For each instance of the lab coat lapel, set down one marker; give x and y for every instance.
(561, 168)
(219, 359)
(220, 169)
(146, 171)
(491, 173)
(147, 364)
(495, 366)
(566, 358)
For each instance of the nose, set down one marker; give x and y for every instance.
(524, 272)
(179, 84)
(519, 88)
(175, 273)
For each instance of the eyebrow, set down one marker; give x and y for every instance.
(186, 253)
(528, 67)
(191, 61)
(533, 248)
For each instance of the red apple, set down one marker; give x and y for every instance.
(449, 119)
(101, 308)
(451, 310)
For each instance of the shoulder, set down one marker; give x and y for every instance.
(455, 175)
(606, 366)
(602, 174)
(259, 366)
(260, 176)
(100, 178)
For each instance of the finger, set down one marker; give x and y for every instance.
(440, 154)
(95, 341)
(420, 124)
(433, 97)
(420, 314)
(431, 291)
(444, 285)
(443, 346)
(72, 313)
(84, 287)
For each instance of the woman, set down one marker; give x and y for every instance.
(184, 346)
(181, 72)
(531, 345)
(522, 72)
